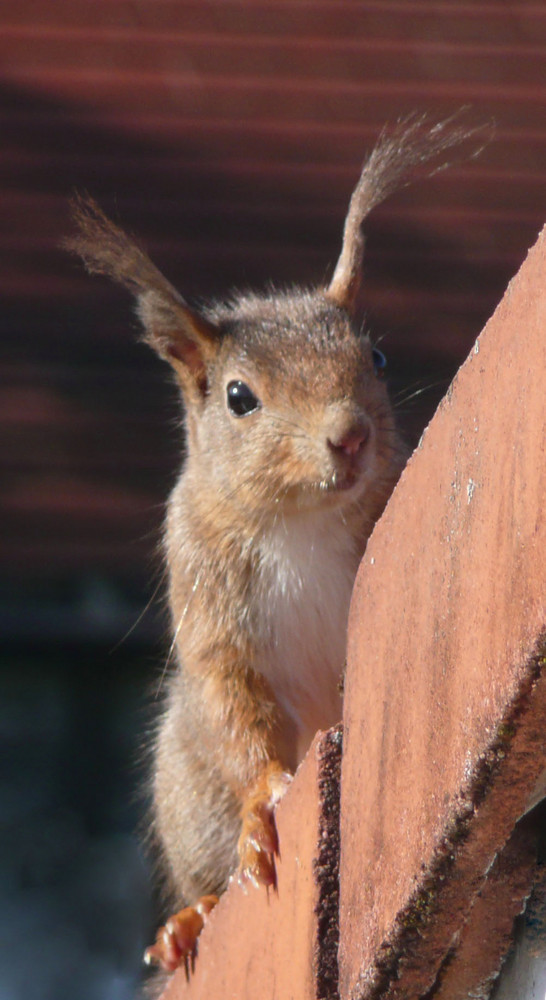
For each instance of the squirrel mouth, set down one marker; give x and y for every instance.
(341, 482)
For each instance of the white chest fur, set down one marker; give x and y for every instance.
(308, 567)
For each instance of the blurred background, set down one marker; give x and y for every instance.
(227, 134)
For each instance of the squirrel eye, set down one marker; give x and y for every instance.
(240, 399)
(379, 361)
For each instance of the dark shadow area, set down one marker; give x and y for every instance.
(75, 909)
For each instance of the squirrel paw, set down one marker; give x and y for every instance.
(175, 943)
(258, 843)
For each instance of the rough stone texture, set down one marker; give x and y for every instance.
(282, 945)
(523, 975)
(445, 705)
(474, 959)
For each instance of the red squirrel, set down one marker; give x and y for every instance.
(291, 455)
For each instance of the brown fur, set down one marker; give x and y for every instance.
(264, 532)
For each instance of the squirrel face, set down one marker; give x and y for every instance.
(294, 416)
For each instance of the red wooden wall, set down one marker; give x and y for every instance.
(228, 134)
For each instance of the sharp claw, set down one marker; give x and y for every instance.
(267, 878)
(261, 844)
(258, 844)
(264, 838)
(261, 871)
(176, 941)
(184, 929)
(162, 954)
(205, 905)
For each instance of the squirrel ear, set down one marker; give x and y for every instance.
(399, 153)
(179, 334)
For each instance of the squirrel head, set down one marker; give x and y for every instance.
(283, 405)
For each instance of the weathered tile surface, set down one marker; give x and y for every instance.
(445, 724)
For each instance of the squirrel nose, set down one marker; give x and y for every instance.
(351, 441)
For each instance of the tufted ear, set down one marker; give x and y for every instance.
(179, 334)
(398, 154)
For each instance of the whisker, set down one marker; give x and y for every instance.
(176, 633)
(401, 400)
(139, 617)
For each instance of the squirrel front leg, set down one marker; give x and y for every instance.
(222, 721)
(258, 842)
(176, 942)
(244, 711)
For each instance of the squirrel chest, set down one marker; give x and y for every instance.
(306, 575)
